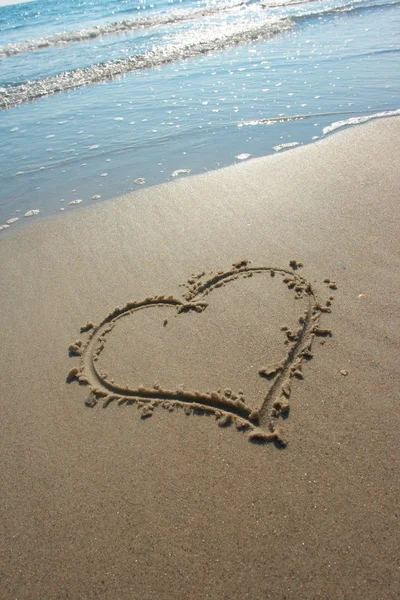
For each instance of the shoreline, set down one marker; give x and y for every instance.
(137, 501)
(341, 128)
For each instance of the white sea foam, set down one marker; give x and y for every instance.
(12, 220)
(5, 226)
(273, 120)
(180, 172)
(329, 128)
(289, 118)
(69, 80)
(32, 213)
(73, 202)
(358, 120)
(286, 146)
(243, 156)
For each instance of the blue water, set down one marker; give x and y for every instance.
(101, 98)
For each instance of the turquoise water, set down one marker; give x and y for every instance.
(101, 98)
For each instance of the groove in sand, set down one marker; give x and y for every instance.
(264, 423)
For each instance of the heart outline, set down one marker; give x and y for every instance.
(263, 422)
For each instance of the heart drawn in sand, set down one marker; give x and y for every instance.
(262, 418)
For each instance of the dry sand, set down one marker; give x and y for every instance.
(105, 503)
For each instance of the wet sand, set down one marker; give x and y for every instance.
(200, 385)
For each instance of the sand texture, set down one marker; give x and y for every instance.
(200, 384)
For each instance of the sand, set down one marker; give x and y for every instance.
(200, 385)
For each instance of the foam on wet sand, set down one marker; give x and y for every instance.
(127, 467)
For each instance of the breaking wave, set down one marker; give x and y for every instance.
(70, 80)
(359, 120)
(289, 118)
(329, 128)
(82, 35)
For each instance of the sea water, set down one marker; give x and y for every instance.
(101, 98)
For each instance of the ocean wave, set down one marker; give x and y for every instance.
(289, 118)
(82, 35)
(356, 6)
(329, 128)
(70, 80)
(359, 120)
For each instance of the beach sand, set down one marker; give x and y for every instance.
(175, 501)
